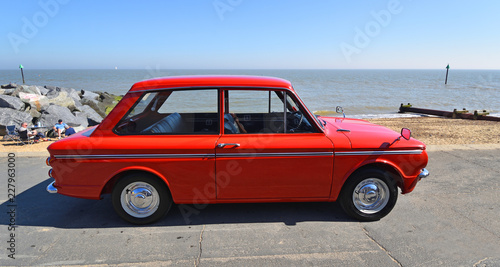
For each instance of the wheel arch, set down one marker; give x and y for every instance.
(394, 172)
(108, 187)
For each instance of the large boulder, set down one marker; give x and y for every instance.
(6, 91)
(108, 101)
(52, 93)
(33, 112)
(43, 90)
(50, 87)
(92, 116)
(95, 105)
(61, 98)
(28, 89)
(89, 95)
(81, 118)
(38, 102)
(7, 101)
(72, 93)
(53, 113)
(9, 86)
(10, 116)
(78, 106)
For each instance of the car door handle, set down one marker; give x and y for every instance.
(222, 145)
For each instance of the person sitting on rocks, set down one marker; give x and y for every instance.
(60, 127)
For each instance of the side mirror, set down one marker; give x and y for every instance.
(339, 109)
(406, 133)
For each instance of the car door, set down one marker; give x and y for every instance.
(174, 133)
(271, 149)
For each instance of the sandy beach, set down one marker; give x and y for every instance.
(430, 130)
(444, 131)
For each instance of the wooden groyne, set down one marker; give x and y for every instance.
(455, 114)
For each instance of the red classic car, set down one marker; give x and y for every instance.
(229, 139)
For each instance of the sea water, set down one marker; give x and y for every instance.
(362, 93)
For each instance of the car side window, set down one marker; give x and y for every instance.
(173, 112)
(263, 111)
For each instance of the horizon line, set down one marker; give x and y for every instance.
(244, 69)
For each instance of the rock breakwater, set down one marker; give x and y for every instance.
(45, 105)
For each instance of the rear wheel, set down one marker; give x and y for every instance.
(141, 198)
(369, 195)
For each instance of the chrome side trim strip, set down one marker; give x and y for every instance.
(135, 156)
(371, 153)
(241, 155)
(291, 154)
(225, 155)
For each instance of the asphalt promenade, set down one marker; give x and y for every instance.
(451, 219)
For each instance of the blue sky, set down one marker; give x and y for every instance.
(250, 34)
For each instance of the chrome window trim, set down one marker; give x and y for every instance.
(292, 92)
(372, 153)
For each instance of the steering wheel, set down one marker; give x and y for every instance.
(293, 120)
(300, 119)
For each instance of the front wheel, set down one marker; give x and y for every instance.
(369, 195)
(141, 198)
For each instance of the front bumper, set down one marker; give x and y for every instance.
(423, 174)
(51, 188)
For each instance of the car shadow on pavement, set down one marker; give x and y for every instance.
(36, 207)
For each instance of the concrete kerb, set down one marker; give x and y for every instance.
(32, 154)
(463, 147)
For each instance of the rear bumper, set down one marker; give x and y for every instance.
(51, 188)
(423, 174)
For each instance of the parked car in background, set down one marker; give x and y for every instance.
(232, 139)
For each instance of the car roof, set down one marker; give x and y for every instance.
(197, 81)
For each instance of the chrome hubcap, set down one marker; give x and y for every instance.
(371, 195)
(140, 199)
